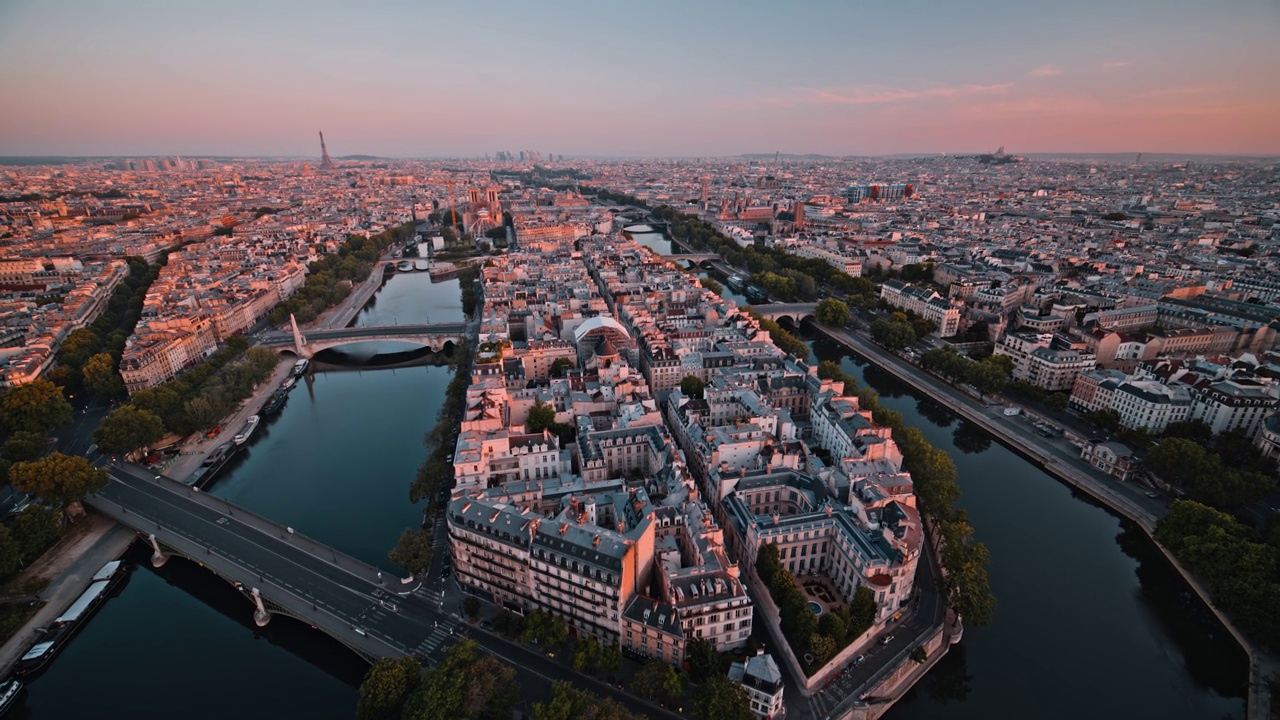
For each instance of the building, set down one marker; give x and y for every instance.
(1151, 405)
(762, 679)
(923, 302)
(1233, 404)
(1112, 458)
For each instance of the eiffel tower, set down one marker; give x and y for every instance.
(325, 162)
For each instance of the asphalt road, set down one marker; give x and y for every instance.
(343, 596)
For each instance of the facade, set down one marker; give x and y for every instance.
(1151, 405)
(1233, 404)
(1111, 458)
(762, 679)
(924, 302)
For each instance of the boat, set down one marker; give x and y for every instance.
(83, 604)
(247, 431)
(735, 282)
(9, 690)
(287, 385)
(108, 572)
(274, 404)
(39, 654)
(217, 454)
(300, 367)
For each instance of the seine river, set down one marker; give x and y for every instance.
(336, 464)
(1090, 623)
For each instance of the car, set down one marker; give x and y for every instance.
(886, 639)
(486, 625)
(1152, 494)
(551, 654)
(858, 660)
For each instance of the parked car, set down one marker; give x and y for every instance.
(886, 639)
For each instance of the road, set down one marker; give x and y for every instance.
(286, 338)
(1057, 455)
(369, 610)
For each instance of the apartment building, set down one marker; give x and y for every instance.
(1234, 404)
(1151, 405)
(924, 302)
(761, 678)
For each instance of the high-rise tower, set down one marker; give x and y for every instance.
(325, 162)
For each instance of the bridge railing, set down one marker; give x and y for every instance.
(304, 607)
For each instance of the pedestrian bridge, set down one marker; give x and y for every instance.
(277, 569)
(439, 337)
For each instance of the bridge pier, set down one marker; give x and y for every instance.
(260, 615)
(158, 558)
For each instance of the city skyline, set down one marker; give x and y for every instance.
(393, 79)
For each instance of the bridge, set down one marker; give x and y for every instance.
(278, 570)
(692, 257)
(438, 336)
(282, 572)
(794, 312)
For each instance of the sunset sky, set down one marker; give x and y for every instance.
(658, 78)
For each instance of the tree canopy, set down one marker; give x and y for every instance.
(692, 386)
(833, 313)
(128, 428)
(37, 406)
(386, 688)
(58, 479)
(412, 551)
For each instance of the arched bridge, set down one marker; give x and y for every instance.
(437, 336)
(692, 257)
(373, 613)
(795, 312)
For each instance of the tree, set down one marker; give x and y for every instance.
(471, 606)
(412, 551)
(833, 313)
(37, 406)
(657, 679)
(128, 428)
(610, 659)
(541, 416)
(989, 375)
(58, 479)
(692, 386)
(560, 366)
(704, 661)
(892, 334)
(22, 446)
(822, 647)
(100, 376)
(386, 687)
(831, 370)
(35, 529)
(586, 655)
(721, 699)
(919, 655)
(1057, 400)
(10, 552)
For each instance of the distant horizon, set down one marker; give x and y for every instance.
(705, 156)
(665, 79)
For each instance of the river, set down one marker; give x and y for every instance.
(1090, 622)
(335, 464)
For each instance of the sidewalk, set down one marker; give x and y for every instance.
(73, 561)
(194, 452)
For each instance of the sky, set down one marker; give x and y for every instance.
(682, 78)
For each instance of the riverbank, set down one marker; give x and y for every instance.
(192, 453)
(1067, 467)
(69, 566)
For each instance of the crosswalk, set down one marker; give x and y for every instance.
(440, 639)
